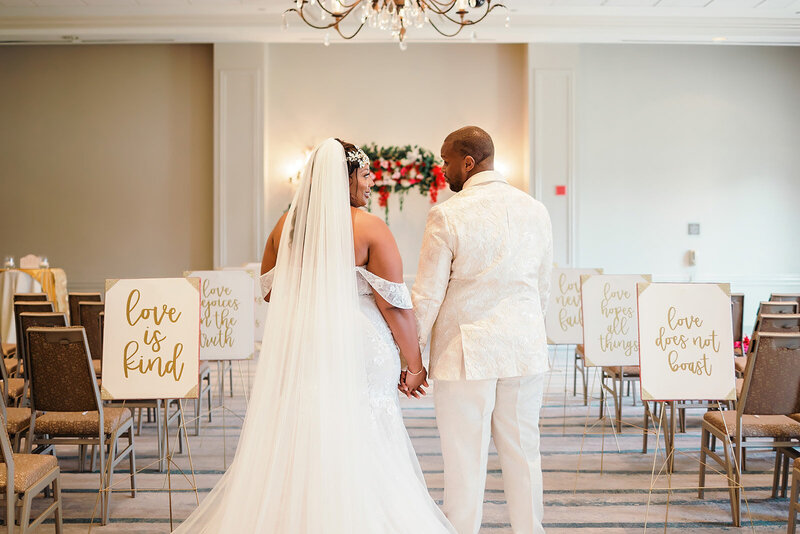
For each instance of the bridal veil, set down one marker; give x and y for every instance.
(309, 459)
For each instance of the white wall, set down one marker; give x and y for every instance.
(668, 135)
(376, 93)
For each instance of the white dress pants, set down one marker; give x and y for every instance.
(468, 412)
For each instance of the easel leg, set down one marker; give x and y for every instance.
(169, 460)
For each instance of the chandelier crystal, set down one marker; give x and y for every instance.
(447, 17)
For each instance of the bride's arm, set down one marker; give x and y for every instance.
(385, 261)
(270, 257)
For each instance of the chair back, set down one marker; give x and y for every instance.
(774, 308)
(23, 307)
(781, 322)
(737, 310)
(772, 376)
(30, 319)
(27, 297)
(74, 299)
(61, 372)
(786, 297)
(90, 321)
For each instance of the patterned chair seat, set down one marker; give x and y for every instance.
(755, 426)
(78, 424)
(15, 387)
(9, 349)
(28, 470)
(17, 420)
(11, 365)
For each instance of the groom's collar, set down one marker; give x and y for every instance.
(483, 177)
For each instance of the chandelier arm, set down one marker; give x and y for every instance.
(347, 9)
(438, 7)
(471, 22)
(435, 27)
(304, 19)
(351, 36)
(467, 22)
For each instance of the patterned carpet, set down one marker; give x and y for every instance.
(594, 481)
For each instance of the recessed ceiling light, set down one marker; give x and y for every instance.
(719, 39)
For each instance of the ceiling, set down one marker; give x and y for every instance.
(717, 22)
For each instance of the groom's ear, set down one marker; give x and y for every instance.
(469, 163)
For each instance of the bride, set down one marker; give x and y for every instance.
(323, 449)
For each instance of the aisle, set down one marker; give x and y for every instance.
(613, 501)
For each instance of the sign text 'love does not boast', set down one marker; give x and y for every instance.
(151, 340)
(686, 342)
(226, 314)
(610, 329)
(564, 320)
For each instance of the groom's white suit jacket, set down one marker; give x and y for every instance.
(483, 282)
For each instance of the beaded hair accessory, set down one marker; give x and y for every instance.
(359, 156)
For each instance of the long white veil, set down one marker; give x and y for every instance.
(309, 461)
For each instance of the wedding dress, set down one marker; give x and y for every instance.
(323, 448)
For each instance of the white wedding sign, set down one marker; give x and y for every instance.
(151, 339)
(226, 314)
(564, 322)
(610, 329)
(260, 306)
(686, 342)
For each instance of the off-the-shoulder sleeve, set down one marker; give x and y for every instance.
(266, 280)
(394, 293)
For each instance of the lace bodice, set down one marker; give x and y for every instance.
(394, 293)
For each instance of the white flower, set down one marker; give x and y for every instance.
(413, 155)
(405, 183)
(396, 175)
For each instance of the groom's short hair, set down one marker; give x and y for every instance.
(472, 141)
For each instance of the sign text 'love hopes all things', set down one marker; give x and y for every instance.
(151, 341)
(686, 342)
(564, 320)
(226, 314)
(610, 328)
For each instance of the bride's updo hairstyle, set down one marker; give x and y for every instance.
(348, 149)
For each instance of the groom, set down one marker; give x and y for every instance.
(480, 292)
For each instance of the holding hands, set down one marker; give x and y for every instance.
(411, 384)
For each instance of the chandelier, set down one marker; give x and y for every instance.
(447, 17)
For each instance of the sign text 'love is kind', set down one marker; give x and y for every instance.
(151, 341)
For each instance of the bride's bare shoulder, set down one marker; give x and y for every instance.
(370, 225)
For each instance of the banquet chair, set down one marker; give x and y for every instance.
(580, 358)
(794, 499)
(17, 423)
(31, 319)
(770, 394)
(23, 477)
(89, 313)
(737, 311)
(785, 297)
(204, 379)
(22, 307)
(772, 308)
(619, 377)
(30, 297)
(74, 299)
(63, 386)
